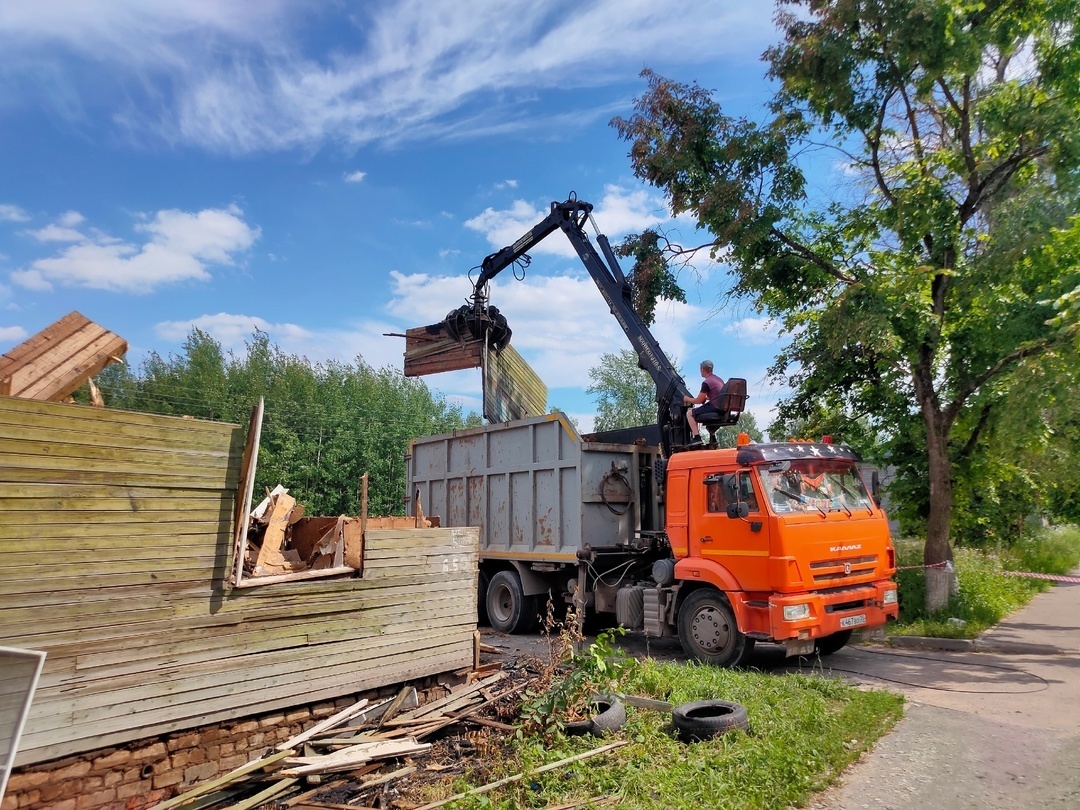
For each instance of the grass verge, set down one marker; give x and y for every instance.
(985, 595)
(804, 730)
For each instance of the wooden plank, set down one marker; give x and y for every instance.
(77, 371)
(59, 500)
(246, 488)
(187, 444)
(214, 784)
(29, 372)
(49, 375)
(61, 455)
(35, 474)
(274, 535)
(512, 390)
(62, 742)
(42, 341)
(82, 535)
(429, 350)
(329, 722)
(85, 418)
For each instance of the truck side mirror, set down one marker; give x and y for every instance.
(738, 510)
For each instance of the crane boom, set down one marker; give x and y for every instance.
(570, 216)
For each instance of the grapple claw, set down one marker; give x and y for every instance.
(478, 323)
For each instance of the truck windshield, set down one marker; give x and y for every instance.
(825, 485)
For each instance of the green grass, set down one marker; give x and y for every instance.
(804, 730)
(986, 595)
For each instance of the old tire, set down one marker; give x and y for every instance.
(705, 719)
(708, 630)
(609, 714)
(830, 644)
(509, 609)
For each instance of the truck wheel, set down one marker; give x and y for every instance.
(708, 630)
(509, 609)
(481, 598)
(830, 644)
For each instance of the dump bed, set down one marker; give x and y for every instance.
(535, 489)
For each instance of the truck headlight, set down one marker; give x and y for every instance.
(792, 613)
(890, 597)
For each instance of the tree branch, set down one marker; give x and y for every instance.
(811, 256)
(971, 386)
(973, 439)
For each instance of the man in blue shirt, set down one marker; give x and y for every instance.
(711, 387)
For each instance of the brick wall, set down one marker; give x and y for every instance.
(144, 773)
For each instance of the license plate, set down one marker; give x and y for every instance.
(796, 646)
(853, 621)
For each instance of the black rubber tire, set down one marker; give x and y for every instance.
(708, 630)
(509, 609)
(830, 644)
(705, 719)
(609, 714)
(481, 598)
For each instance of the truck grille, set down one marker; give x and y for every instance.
(837, 571)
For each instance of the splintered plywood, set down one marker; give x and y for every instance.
(430, 350)
(512, 390)
(59, 359)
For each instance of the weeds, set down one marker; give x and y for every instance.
(985, 595)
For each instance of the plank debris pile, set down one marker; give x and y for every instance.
(359, 741)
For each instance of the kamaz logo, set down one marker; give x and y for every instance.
(855, 547)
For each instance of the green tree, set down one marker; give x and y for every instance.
(625, 394)
(325, 424)
(935, 276)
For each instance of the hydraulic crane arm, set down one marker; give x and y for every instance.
(570, 217)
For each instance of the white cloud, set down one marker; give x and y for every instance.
(505, 184)
(12, 213)
(12, 334)
(240, 77)
(57, 233)
(355, 177)
(618, 213)
(71, 219)
(181, 246)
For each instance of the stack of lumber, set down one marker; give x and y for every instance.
(358, 740)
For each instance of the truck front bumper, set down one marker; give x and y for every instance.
(814, 615)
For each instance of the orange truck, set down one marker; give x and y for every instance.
(779, 543)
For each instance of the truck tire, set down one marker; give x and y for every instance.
(708, 630)
(481, 598)
(509, 609)
(608, 714)
(830, 644)
(705, 719)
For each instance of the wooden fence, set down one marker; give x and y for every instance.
(115, 544)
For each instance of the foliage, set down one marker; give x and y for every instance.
(948, 266)
(804, 731)
(325, 424)
(625, 394)
(985, 595)
(572, 679)
(651, 278)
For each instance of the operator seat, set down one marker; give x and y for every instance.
(729, 404)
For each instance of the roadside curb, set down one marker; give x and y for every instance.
(976, 645)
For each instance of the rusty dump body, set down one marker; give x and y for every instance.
(538, 492)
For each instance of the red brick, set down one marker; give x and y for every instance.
(10, 802)
(180, 759)
(114, 778)
(132, 775)
(61, 790)
(199, 773)
(297, 715)
(245, 727)
(66, 804)
(271, 721)
(197, 756)
(233, 762)
(155, 751)
(92, 783)
(185, 741)
(255, 740)
(29, 797)
(168, 778)
(73, 771)
(92, 800)
(131, 789)
(27, 780)
(322, 710)
(226, 749)
(113, 760)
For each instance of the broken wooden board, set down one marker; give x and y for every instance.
(430, 350)
(512, 390)
(59, 359)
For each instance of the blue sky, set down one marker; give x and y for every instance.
(329, 172)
